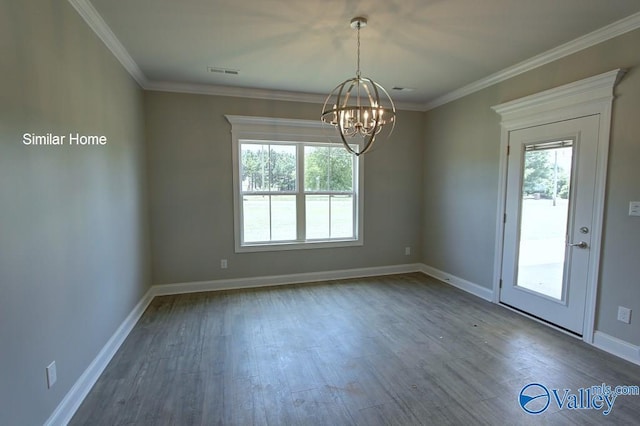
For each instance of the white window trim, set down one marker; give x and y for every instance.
(270, 129)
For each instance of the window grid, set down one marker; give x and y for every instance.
(299, 192)
(274, 131)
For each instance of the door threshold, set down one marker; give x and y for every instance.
(542, 321)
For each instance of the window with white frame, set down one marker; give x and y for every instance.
(293, 188)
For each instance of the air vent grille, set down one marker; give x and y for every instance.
(218, 70)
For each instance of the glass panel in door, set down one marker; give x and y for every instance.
(546, 184)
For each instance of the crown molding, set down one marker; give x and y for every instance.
(253, 93)
(238, 92)
(603, 34)
(95, 21)
(102, 30)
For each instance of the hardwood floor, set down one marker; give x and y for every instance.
(397, 350)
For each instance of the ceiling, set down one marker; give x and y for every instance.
(307, 47)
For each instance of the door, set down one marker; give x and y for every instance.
(549, 212)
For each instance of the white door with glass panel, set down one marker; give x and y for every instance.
(549, 213)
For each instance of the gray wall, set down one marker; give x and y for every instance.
(73, 220)
(461, 161)
(74, 239)
(190, 177)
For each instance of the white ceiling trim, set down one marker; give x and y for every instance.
(240, 92)
(100, 27)
(102, 30)
(244, 92)
(610, 31)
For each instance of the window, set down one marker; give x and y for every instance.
(292, 188)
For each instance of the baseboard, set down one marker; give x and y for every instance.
(617, 347)
(72, 400)
(462, 284)
(276, 280)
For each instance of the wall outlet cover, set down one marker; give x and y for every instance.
(624, 315)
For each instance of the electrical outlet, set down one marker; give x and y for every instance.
(624, 315)
(52, 374)
(407, 251)
(223, 264)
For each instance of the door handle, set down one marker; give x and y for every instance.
(581, 244)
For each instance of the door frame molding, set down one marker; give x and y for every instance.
(590, 96)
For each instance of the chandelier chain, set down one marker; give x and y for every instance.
(358, 67)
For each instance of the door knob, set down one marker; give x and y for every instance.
(581, 244)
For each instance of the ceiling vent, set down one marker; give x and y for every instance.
(218, 70)
(403, 89)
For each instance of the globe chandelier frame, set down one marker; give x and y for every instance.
(359, 106)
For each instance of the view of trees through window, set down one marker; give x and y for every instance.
(268, 167)
(327, 168)
(272, 194)
(273, 168)
(544, 218)
(545, 169)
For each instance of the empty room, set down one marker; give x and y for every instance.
(319, 213)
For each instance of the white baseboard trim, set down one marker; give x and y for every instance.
(462, 284)
(617, 347)
(607, 343)
(276, 280)
(72, 400)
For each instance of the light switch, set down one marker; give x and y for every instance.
(634, 208)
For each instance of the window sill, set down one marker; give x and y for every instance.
(250, 248)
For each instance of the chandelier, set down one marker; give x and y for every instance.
(355, 108)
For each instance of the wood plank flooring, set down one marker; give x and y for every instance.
(394, 350)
